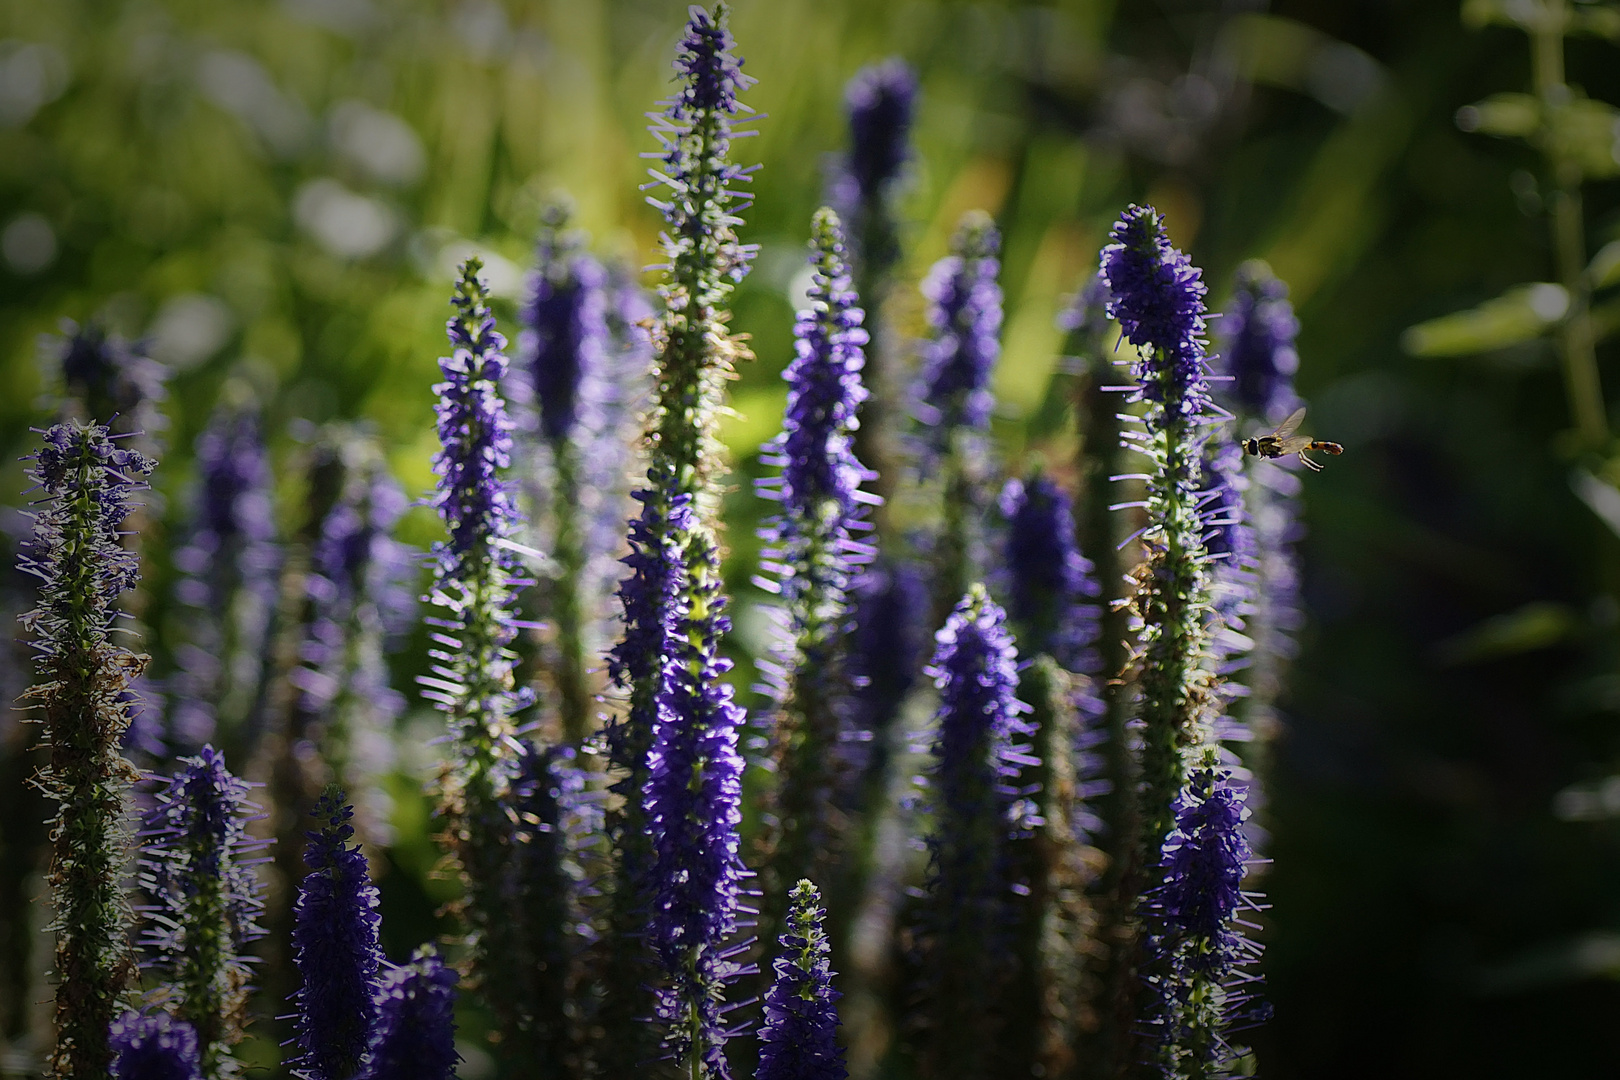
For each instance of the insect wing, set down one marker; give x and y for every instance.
(1289, 426)
(1284, 447)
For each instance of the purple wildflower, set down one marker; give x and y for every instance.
(814, 554)
(336, 942)
(693, 807)
(964, 317)
(414, 1036)
(206, 899)
(1257, 332)
(880, 100)
(83, 568)
(1234, 556)
(801, 1021)
(110, 380)
(471, 680)
(154, 1046)
(1158, 297)
(564, 343)
(1051, 590)
(888, 637)
(230, 566)
(978, 807)
(1196, 919)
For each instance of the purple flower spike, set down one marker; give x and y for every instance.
(1051, 590)
(78, 556)
(800, 1034)
(112, 380)
(881, 100)
(964, 316)
(335, 940)
(564, 344)
(415, 1034)
(693, 807)
(978, 808)
(154, 1046)
(1257, 332)
(1157, 295)
(1197, 947)
(206, 899)
(474, 431)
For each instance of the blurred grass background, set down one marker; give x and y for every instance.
(273, 195)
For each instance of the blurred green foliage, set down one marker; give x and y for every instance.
(273, 194)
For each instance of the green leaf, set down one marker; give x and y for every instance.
(1503, 115)
(1522, 313)
(1532, 627)
(1587, 132)
(1604, 269)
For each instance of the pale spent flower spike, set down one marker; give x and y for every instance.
(1157, 296)
(154, 1046)
(1200, 957)
(1257, 351)
(230, 567)
(338, 954)
(199, 871)
(474, 581)
(800, 1035)
(812, 547)
(79, 696)
(978, 805)
(693, 802)
(414, 1037)
(565, 374)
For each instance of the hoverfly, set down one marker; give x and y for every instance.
(1283, 441)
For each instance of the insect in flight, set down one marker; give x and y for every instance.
(1283, 441)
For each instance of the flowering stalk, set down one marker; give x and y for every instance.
(693, 803)
(205, 902)
(799, 1038)
(674, 556)
(473, 585)
(109, 380)
(1257, 339)
(880, 101)
(888, 638)
(154, 1046)
(338, 953)
(978, 807)
(1158, 300)
(230, 565)
(814, 553)
(1196, 920)
(547, 889)
(964, 315)
(1050, 586)
(82, 569)
(414, 1037)
(566, 358)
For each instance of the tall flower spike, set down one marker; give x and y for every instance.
(1157, 296)
(566, 376)
(415, 1034)
(978, 807)
(107, 379)
(1051, 590)
(1257, 339)
(693, 806)
(338, 952)
(801, 1020)
(888, 639)
(1200, 979)
(83, 568)
(815, 554)
(154, 1046)
(230, 566)
(205, 902)
(472, 679)
(964, 316)
(705, 260)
